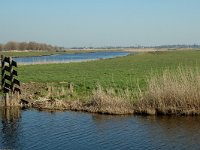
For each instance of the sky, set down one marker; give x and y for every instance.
(79, 23)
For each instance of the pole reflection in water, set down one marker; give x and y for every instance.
(9, 128)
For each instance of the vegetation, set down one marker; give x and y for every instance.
(28, 54)
(147, 83)
(12, 45)
(119, 73)
(172, 92)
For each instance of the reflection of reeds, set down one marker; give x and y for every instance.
(10, 100)
(10, 113)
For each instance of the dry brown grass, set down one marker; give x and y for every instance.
(172, 93)
(58, 98)
(101, 101)
(109, 103)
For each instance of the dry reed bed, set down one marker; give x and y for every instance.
(172, 93)
(100, 102)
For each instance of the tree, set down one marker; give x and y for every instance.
(11, 46)
(1, 47)
(23, 46)
(31, 46)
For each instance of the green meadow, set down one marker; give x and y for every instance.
(121, 73)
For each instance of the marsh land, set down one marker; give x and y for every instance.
(156, 82)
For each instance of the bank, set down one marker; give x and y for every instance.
(147, 83)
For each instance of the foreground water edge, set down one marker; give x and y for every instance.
(33, 129)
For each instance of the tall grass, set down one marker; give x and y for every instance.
(172, 92)
(100, 101)
(108, 102)
(114, 73)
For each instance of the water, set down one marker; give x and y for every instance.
(69, 57)
(32, 129)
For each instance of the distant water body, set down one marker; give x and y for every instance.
(63, 58)
(32, 130)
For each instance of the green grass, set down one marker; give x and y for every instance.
(118, 73)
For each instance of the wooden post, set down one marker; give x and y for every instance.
(1, 71)
(10, 85)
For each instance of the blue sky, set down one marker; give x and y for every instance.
(101, 22)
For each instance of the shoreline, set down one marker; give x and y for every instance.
(171, 91)
(56, 62)
(105, 108)
(70, 61)
(14, 53)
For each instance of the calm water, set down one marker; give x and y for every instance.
(31, 129)
(69, 57)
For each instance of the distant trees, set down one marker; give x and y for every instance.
(12, 45)
(1, 47)
(23, 46)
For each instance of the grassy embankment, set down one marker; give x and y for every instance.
(133, 84)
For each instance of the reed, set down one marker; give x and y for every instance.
(173, 92)
(101, 101)
(109, 102)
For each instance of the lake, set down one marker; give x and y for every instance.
(63, 58)
(32, 129)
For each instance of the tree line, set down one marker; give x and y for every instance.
(12, 45)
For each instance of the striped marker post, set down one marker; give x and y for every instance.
(9, 84)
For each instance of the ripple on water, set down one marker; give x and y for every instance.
(32, 129)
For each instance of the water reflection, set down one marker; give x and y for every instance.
(9, 128)
(173, 123)
(77, 130)
(154, 132)
(180, 132)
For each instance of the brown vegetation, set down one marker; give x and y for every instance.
(12, 45)
(173, 92)
(65, 98)
(109, 103)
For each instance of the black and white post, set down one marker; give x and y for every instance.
(9, 84)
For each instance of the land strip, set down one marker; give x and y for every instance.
(114, 86)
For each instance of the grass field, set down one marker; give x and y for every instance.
(118, 73)
(165, 82)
